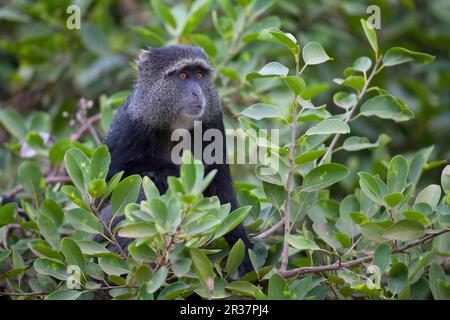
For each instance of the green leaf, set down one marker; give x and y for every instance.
(64, 294)
(138, 230)
(441, 244)
(370, 34)
(359, 143)
(345, 223)
(42, 250)
(382, 257)
(157, 280)
(398, 55)
(277, 288)
(13, 273)
(260, 111)
(445, 179)
(97, 188)
(30, 177)
(126, 192)
(405, 230)
(314, 89)
(150, 189)
(354, 82)
(49, 231)
(438, 282)
(72, 253)
(313, 53)
(317, 114)
(373, 231)
(173, 290)
(362, 64)
(203, 268)
(113, 265)
(75, 196)
(206, 43)
(235, 257)
(416, 216)
(270, 70)
(359, 217)
(100, 163)
(309, 156)
(196, 14)
(344, 239)
(163, 12)
(296, 84)
(228, 7)
(398, 275)
(397, 174)
(344, 100)
(8, 213)
(387, 107)
(275, 194)
(302, 243)
(417, 163)
(51, 267)
(13, 122)
(232, 220)
(230, 73)
(327, 232)
(329, 126)
(430, 195)
(324, 176)
(373, 187)
(191, 173)
(302, 202)
(77, 166)
(393, 199)
(84, 220)
(202, 226)
(91, 248)
(53, 211)
(246, 289)
(143, 253)
(280, 37)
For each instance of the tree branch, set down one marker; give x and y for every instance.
(341, 266)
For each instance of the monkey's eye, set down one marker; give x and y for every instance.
(199, 75)
(183, 75)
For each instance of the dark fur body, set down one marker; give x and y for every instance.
(144, 147)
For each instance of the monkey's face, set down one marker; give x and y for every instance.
(174, 88)
(191, 82)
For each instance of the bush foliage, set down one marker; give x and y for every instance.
(359, 208)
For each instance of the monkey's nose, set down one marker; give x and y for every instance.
(195, 93)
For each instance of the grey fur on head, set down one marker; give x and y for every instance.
(156, 101)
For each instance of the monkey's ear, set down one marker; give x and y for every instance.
(143, 56)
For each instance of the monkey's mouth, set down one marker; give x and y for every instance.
(194, 111)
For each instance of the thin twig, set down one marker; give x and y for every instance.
(269, 231)
(348, 118)
(340, 266)
(85, 127)
(288, 186)
(49, 180)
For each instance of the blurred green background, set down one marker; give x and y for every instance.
(45, 68)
